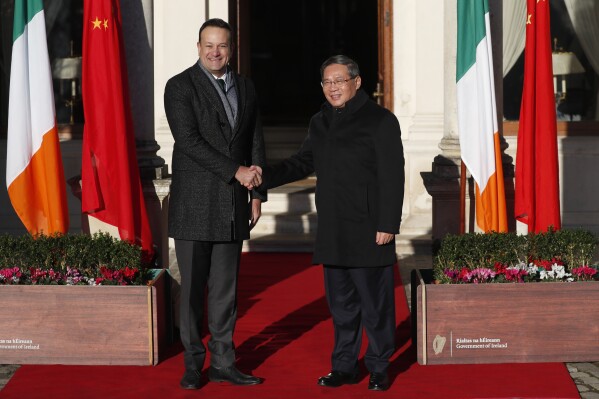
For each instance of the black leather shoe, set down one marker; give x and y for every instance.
(337, 378)
(190, 380)
(378, 382)
(232, 376)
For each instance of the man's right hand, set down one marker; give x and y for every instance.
(249, 177)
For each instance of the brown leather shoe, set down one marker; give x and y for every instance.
(337, 378)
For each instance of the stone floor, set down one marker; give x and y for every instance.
(585, 375)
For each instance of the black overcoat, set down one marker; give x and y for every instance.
(206, 202)
(357, 155)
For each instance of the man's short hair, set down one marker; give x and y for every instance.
(216, 23)
(352, 66)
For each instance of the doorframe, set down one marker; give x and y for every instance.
(241, 39)
(242, 64)
(385, 51)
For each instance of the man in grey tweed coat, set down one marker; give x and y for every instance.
(213, 116)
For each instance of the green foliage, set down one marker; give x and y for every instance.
(573, 247)
(474, 250)
(59, 253)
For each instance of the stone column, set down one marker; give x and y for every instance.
(138, 35)
(138, 32)
(443, 182)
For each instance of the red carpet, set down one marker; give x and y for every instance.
(284, 335)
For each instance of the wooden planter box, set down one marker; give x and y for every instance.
(504, 323)
(102, 325)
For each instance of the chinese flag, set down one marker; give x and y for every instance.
(110, 183)
(537, 177)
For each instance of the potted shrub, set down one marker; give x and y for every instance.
(79, 299)
(503, 297)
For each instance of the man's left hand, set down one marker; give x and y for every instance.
(255, 211)
(383, 238)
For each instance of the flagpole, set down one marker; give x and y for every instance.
(462, 197)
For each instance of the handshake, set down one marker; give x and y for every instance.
(250, 177)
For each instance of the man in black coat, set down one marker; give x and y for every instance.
(354, 147)
(213, 116)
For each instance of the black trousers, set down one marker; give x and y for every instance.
(212, 267)
(361, 298)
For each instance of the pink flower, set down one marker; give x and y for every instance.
(11, 275)
(584, 273)
(481, 275)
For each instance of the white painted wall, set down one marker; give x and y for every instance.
(176, 27)
(418, 39)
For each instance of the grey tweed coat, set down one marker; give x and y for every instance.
(206, 202)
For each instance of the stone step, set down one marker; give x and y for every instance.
(282, 142)
(286, 223)
(297, 203)
(279, 242)
(295, 197)
(289, 242)
(289, 221)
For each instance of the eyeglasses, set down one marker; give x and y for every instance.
(327, 84)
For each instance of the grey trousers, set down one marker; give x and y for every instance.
(209, 273)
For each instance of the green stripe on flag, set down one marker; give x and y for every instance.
(471, 30)
(25, 10)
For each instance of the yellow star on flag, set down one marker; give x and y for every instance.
(528, 22)
(105, 24)
(96, 23)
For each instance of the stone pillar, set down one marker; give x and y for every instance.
(443, 182)
(138, 33)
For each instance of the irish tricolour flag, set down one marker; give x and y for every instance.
(477, 114)
(34, 173)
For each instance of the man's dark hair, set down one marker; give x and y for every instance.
(216, 23)
(352, 66)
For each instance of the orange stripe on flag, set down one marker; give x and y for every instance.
(490, 205)
(38, 193)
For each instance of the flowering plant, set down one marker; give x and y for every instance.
(508, 258)
(70, 260)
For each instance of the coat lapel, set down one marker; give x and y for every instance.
(205, 88)
(241, 103)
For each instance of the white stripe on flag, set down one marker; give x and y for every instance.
(477, 115)
(31, 106)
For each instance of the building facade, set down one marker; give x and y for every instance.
(407, 50)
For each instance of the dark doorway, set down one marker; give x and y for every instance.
(287, 45)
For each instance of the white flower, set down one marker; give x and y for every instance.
(559, 271)
(532, 269)
(544, 275)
